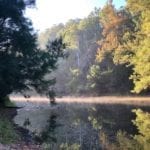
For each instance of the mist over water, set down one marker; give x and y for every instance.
(79, 122)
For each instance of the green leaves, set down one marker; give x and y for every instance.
(126, 36)
(141, 45)
(23, 66)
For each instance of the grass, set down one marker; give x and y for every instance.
(7, 133)
(8, 102)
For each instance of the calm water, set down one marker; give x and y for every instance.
(80, 123)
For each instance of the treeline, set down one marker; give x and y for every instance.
(108, 52)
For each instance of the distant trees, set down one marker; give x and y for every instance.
(23, 65)
(80, 36)
(109, 49)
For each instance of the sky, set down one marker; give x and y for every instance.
(50, 12)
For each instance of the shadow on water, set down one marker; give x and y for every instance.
(81, 124)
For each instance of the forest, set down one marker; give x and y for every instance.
(79, 85)
(108, 52)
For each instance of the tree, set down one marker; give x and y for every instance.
(113, 77)
(134, 48)
(80, 36)
(140, 46)
(108, 78)
(111, 21)
(23, 66)
(49, 34)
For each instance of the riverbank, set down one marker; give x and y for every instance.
(16, 137)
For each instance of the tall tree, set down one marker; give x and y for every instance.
(22, 65)
(135, 45)
(114, 24)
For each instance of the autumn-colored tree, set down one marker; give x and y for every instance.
(126, 34)
(112, 22)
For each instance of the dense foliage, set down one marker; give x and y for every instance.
(127, 38)
(108, 51)
(23, 65)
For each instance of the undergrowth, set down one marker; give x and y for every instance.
(7, 132)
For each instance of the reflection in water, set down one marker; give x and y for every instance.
(124, 141)
(80, 123)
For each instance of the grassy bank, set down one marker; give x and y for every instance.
(8, 134)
